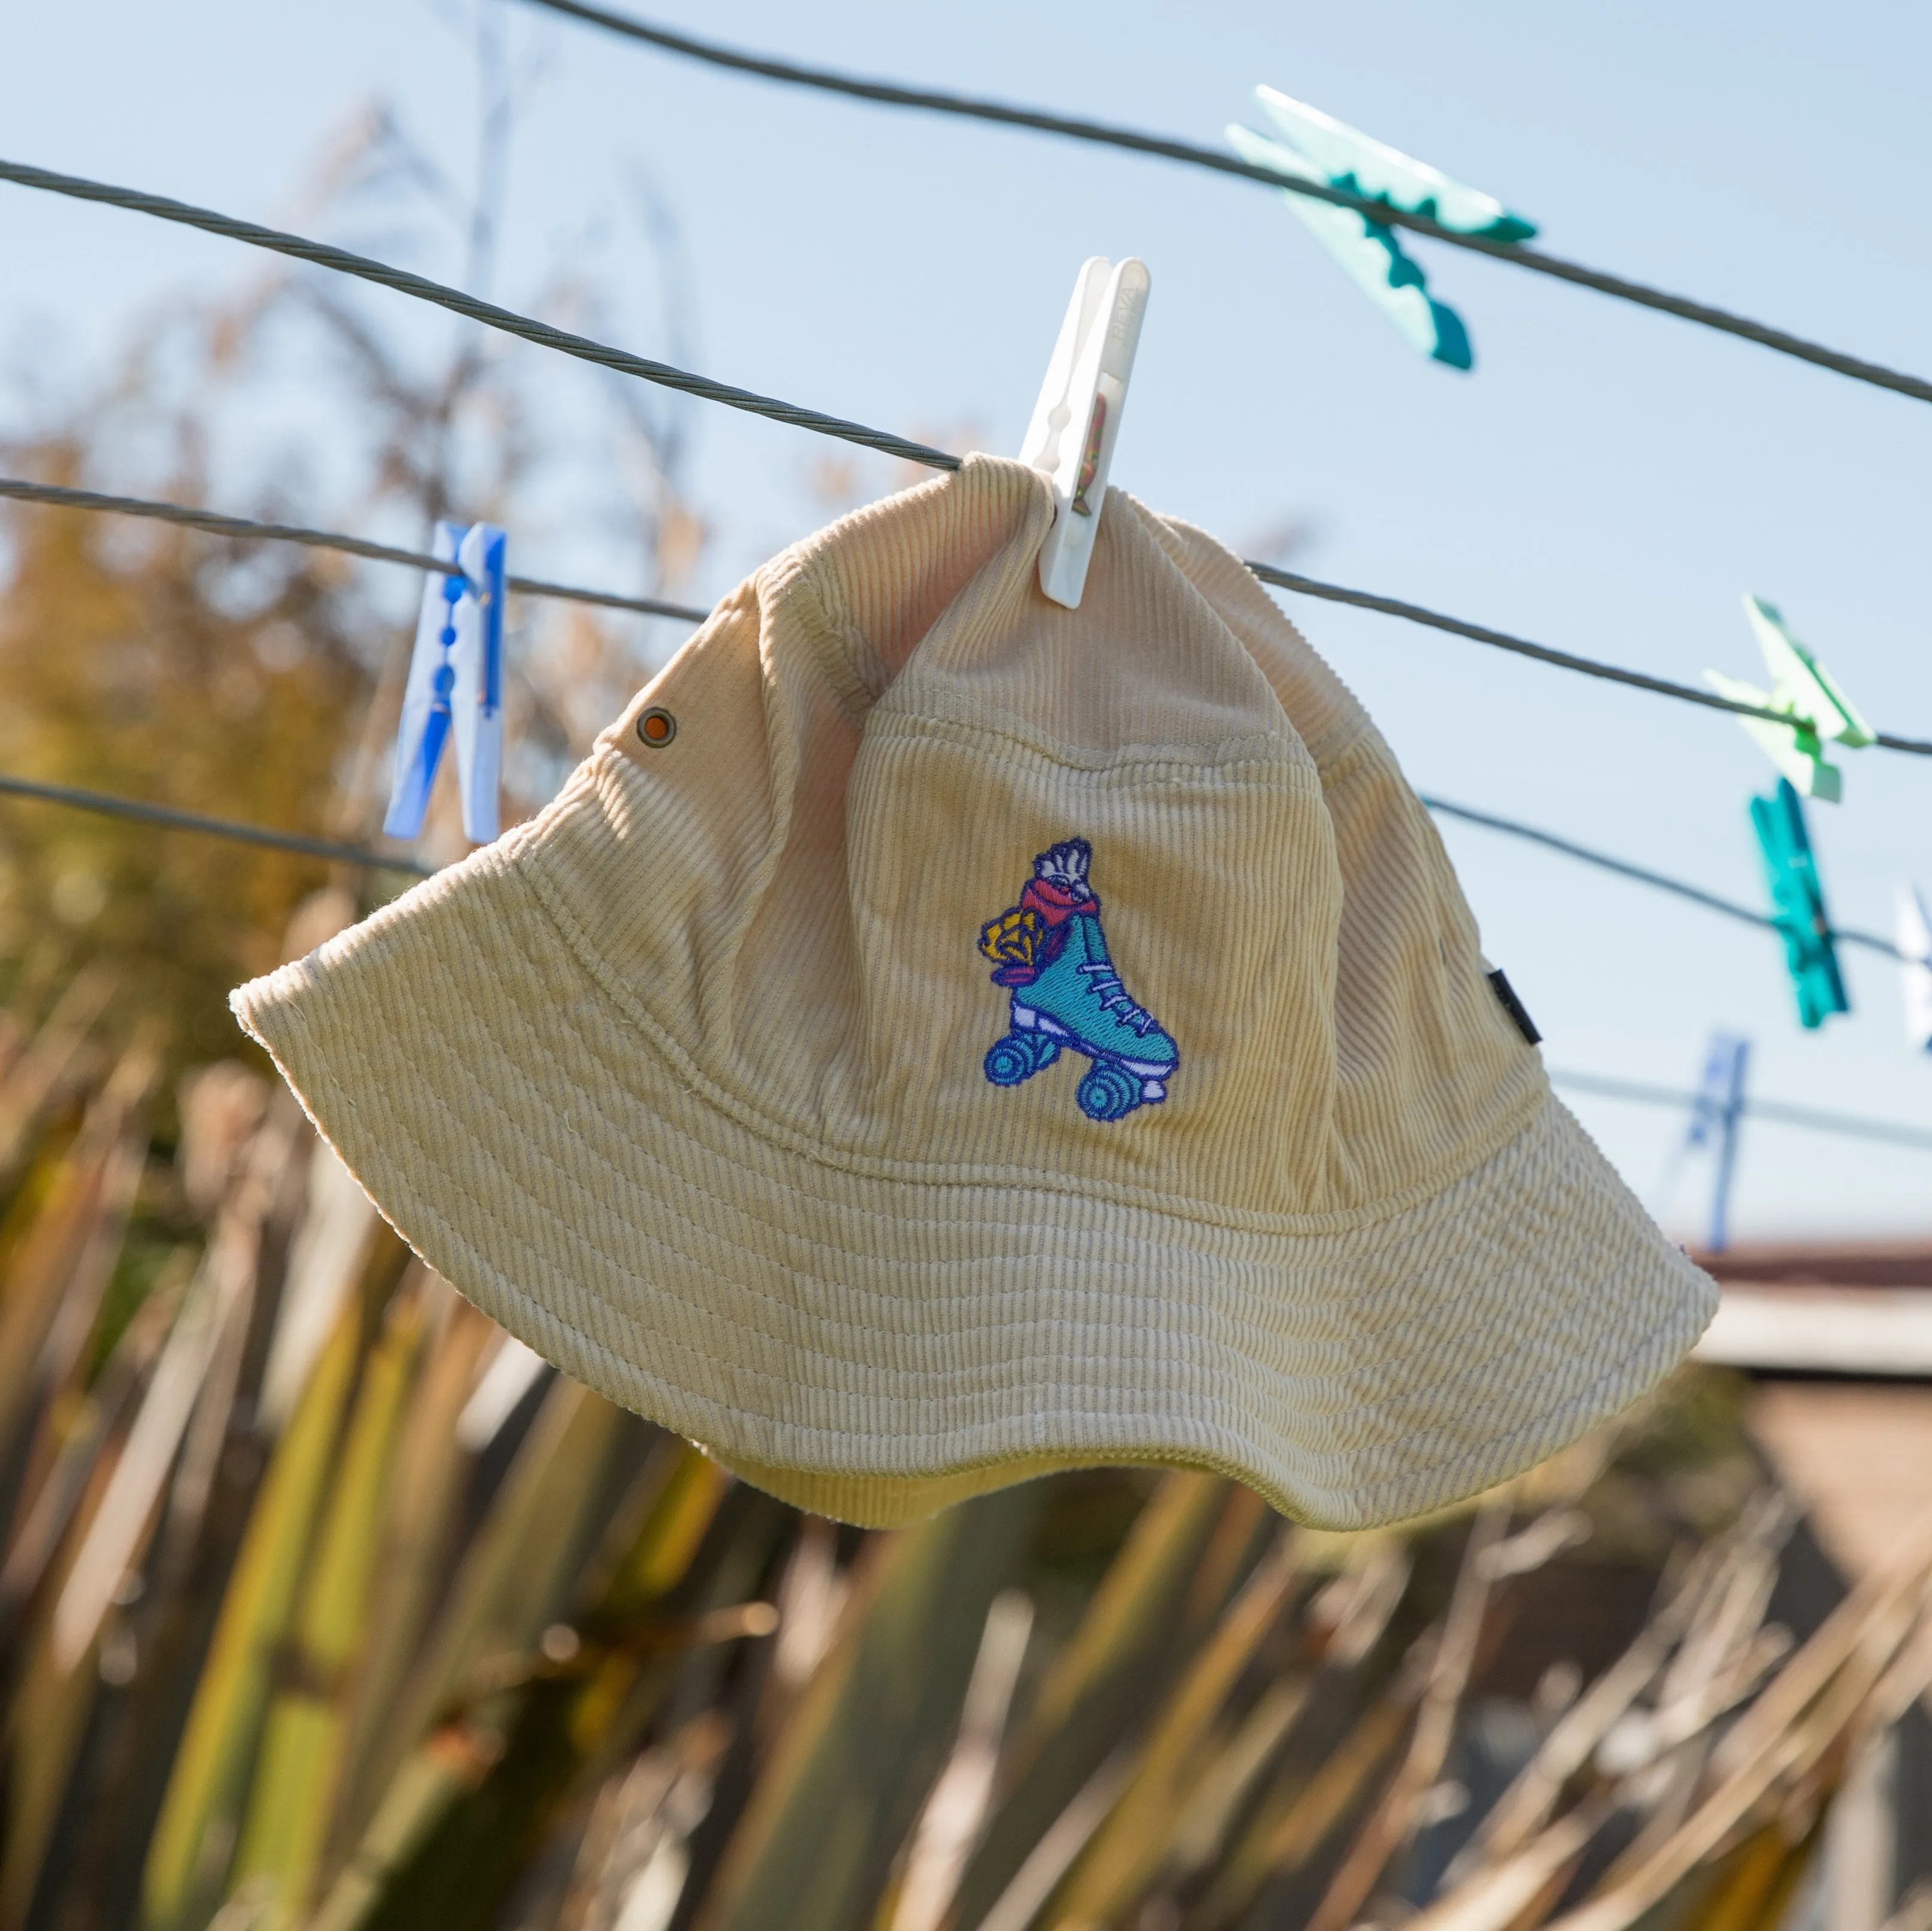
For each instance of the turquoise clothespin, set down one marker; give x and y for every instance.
(1798, 905)
(1316, 147)
(1802, 689)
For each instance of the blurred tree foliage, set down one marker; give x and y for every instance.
(186, 671)
(260, 680)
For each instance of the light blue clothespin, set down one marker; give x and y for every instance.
(1316, 147)
(1801, 687)
(455, 684)
(1715, 1113)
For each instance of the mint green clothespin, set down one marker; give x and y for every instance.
(1315, 146)
(1803, 689)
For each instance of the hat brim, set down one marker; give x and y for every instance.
(873, 1345)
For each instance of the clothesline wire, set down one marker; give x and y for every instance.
(343, 261)
(1564, 660)
(217, 524)
(1711, 901)
(323, 254)
(108, 804)
(113, 805)
(1135, 141)
(1851, 1124)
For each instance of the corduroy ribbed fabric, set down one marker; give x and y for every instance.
(686, 1081)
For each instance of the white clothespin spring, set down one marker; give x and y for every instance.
(455, 684)
(1078, 416)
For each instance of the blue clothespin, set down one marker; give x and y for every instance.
(1798, 905)
(1715, 1114)
(455, 685)
(1316, 147)
(1804, 690)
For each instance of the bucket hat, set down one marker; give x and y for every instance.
(937, 1037)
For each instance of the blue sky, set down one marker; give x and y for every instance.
(1608, 481)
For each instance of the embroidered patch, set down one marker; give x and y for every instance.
(1050, 953)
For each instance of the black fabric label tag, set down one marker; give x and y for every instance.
(1505, 994)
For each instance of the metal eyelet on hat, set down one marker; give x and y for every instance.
(656, 727)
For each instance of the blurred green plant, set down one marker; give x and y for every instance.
(329, 1607)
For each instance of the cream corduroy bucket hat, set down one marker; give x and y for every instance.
(938, 1037)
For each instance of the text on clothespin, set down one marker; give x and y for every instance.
(455, 686)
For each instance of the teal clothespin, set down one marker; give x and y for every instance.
(1802, 689)
(1315, 146)
(1798, 905)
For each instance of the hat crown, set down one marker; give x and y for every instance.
(882, 740)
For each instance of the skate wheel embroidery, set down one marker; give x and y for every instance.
(1050, 952)
(1018, 1057)
(1108, 1092)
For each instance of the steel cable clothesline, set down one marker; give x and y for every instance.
(216, 524)
(1162, 147)
(1642, 875)
(1563, 660)
(1847, 1125)
(345, 261)
(108, 804)
(1843, 1124)
(111, 805)
(220, 524)
(342, 260)
(1850, 1125)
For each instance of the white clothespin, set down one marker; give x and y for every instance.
(1913, 932)
(1078, 416)
(1802, 689)
(456, 679)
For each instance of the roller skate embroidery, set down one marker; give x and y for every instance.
(1051, 955)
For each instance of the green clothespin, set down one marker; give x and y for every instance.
(1798, 905)
(1802, 689)
(1315, 146)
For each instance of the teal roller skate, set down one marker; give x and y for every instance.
(1052, 955)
